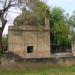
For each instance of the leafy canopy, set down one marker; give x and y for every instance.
(34, 16)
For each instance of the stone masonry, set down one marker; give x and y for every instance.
(29, 41)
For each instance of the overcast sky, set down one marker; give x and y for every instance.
(67, 5)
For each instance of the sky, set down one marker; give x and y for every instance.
(67, 5)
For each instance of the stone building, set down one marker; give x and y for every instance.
(73, 47)
(30, 41)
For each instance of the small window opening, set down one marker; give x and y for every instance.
(29, 49)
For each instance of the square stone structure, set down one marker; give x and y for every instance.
(29, 41)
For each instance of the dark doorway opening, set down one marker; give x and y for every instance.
(29, 49)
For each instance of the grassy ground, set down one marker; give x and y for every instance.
(39, 71)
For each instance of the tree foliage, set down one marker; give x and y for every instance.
(59, 28)
(72, 19)
(72, 26)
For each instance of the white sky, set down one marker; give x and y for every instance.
(67, 5)
(12, 14)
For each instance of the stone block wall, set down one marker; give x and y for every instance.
(20, 38)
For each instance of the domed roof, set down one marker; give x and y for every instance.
(27, 18)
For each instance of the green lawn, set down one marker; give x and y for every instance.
(40, 71)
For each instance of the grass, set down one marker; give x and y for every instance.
(39, 71)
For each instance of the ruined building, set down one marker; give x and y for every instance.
(30, 41)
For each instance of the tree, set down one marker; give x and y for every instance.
(40, 11)
(72, 26)
(5, 42)
(72, 19)
(59, 28)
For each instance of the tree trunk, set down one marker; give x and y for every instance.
(1, 44)
(1, 31)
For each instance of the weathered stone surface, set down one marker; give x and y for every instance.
(73, 49)
(21, 37)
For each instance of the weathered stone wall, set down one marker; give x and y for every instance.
(23, 36)
(40, 62)
(52, 61)
(73, 49)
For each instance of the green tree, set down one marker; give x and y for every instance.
(72, 26)
(59, 28)
(72, 19)
(40, 12)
